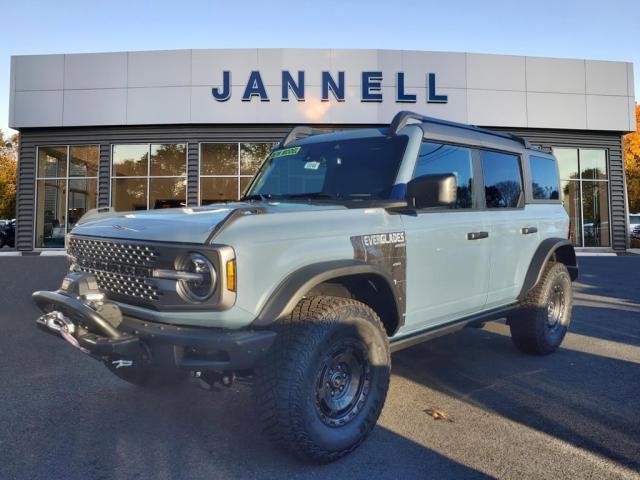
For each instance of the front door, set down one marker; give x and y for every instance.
(447, 250)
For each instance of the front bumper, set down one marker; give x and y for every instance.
(104, 333)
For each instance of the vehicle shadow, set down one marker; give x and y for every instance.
(588, 400)
(105, 429)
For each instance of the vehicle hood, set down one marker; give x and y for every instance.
(182, 225)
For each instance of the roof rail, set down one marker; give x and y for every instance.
(401, 119)
(296, 133)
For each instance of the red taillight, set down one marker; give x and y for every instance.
(570, 231)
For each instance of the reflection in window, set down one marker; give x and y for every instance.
(84, 161)
(593, 164)
(586, 196)
(595, 211)
(218, 189)
(226, 169)
(571, 202)
(130, 160)
(567, 162)
(66, 188)
(439, 158)
(148, 176)
(502, 179)
(52, 162)
(544, 178)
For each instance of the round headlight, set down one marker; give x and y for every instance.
(201, 289)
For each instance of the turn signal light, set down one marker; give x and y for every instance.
(231, 275)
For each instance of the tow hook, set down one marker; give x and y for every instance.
(58, 323)
(208, 379)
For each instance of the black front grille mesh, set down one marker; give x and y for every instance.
(120, 268)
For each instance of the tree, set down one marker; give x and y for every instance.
(632, 165)
(8, 176)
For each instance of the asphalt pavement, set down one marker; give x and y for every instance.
(573, 414)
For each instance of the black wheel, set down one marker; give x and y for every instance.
(2, 241)
(542, 323)
(321, 388)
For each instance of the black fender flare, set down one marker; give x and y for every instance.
(293, 288)
(560, 248)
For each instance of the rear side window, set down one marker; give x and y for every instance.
(502, 179)
(545, 184)
(440, 158)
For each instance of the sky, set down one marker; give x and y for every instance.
(549, 28)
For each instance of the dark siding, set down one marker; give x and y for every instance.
(26, 194)
(193, 134)
(612, 141)
(192, 173)
(104, 172)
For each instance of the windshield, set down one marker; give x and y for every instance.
(352, 169)
(634, 219)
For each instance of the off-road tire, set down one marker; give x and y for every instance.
(533, 329)
(290, 378)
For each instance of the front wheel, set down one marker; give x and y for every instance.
(321, 388)
(545, 313)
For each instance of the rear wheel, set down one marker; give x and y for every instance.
(321, 388)
(542, 323)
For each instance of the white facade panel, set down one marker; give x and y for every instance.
(607, 78)
(496, 72)
(158, 105)
(207, 65)
(92, 71)
(450, 67)
(105, 106)
(556, 110)
(555, 75)
(168, 68)
(604, 110)
(175, 87)
(633, 126)
(39, 72)
(12, 90)
(496, 108)
(38, 108)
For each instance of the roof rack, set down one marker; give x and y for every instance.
(296, 133)
(402, 118)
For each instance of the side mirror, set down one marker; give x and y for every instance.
(436, 190)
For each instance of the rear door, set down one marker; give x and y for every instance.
(513, 226)
(447, 249)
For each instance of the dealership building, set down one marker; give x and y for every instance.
(157, 129)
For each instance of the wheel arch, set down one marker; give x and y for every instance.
(556, 249)
(355, 279)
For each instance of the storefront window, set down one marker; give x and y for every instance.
(226, 169)
(66, 188)
(585, 190)
(148, 176)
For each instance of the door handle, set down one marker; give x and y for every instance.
(477, 235)
(528, 230)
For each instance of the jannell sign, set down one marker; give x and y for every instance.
(371, 88)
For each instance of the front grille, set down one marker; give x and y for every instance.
(120, 268)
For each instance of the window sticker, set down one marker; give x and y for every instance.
(285, 152)
(312, 165)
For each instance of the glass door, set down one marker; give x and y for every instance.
(585, 188)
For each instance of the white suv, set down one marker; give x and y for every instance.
(346, 247)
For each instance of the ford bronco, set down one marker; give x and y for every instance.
(346, 247)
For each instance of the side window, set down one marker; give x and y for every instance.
(440, 158)
(545, 184)
(502, 179)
